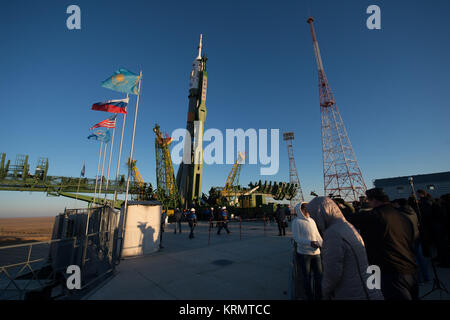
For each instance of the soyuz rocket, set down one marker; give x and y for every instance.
(189, 176)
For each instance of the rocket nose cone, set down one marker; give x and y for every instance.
(199, 57)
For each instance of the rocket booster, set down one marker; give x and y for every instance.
(189, 174)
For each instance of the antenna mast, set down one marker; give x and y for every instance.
(341, 173)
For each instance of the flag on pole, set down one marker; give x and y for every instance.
(83, 170)
(107, 123)
(101, 135)
(113, 106)
(123, 81)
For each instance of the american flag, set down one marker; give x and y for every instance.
(107, 123)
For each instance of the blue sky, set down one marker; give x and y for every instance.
(391, 85)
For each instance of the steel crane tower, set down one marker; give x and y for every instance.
(293, 174)
(233, 177)
(341, 172)
(137, 178)
(167, 190)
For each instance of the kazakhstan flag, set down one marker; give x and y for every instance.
(123, 81)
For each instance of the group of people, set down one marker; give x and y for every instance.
(336, 242)
(190, 216)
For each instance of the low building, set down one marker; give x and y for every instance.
(435, 184)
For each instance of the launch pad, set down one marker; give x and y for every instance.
(226, 269)
(244, 257)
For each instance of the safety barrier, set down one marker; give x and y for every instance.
(86, 238)
(215, 223)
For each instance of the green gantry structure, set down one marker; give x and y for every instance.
(18, 177)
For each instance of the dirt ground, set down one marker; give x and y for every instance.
(22, 230)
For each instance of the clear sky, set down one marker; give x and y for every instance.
(391, 85)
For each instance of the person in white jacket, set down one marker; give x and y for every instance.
(308, 241)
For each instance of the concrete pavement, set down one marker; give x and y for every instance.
(252, 266)
(256, 267)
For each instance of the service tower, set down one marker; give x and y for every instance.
(189, 176)
(341, 173)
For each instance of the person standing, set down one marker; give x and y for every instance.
(192, 220)
(344, 258)
(438, 230)
(445, 201)
(280, 217)
(389, 238)
(223, 220)
(206, 214)
(287, 212)
(403, 206)
(162, 226)
(425, 210)
(178, 219)
(211, 218)
(308, 240)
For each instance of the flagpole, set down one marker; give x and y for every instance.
(98, 168)
(78, 188)
(110, 156)
(103, 165)
(120, 154)
(131, 151)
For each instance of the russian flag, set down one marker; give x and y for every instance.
(113, 106)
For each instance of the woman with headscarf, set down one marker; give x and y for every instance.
(308, 241)
(344, 258)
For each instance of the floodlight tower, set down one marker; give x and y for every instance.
(341, 172)
(293, 175)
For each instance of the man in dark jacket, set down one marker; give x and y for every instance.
(280, 216)
(178, 218)
(445, 200)
(223, 221)
(192, 221)
(211, 218)
(403, 206)
(389, 236)
(287, 212)
(162, 227)
(425, 208)
(439, 233)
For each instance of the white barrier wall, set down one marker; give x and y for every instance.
(142, 229)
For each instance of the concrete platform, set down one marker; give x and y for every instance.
(444, 277)
(255, 267)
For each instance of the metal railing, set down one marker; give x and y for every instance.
(26, 268)
(86, 238)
